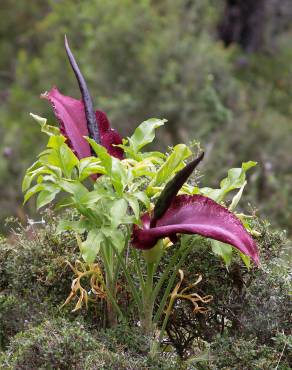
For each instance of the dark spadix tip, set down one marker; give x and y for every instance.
(172, 188)
(86, 97)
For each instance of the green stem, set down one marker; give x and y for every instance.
(130, 281)
(150, 294)
(111, 313)
(166, 317)
(166, 294)
(138, 269)
(166, 272)
(174, 267)
(110, 285)
(114, 303)
(118, 264)
(148, 303)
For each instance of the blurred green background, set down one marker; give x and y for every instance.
(220, 71)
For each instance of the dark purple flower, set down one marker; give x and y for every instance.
(191, 214)
(196, 214)
(77, 118)
(71, 116)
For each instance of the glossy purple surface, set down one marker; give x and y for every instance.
(71, 117)
(196, 214)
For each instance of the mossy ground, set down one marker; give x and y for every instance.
(247, 327)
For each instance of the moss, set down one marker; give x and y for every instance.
(60, 344)
(12, 318)
(33, 264)
(18, 314)
(34, 279)
(55, 344)
(106, 360)
(234, 353)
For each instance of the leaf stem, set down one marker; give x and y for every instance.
(184, 249)
(130, 281)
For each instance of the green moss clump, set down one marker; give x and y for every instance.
(33, 263)
(239, 353)
(60, 344)
(55, 344)
(34, 278)
(13, 316)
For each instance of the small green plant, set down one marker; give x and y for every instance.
(125, 199)
(55, 344)
(247, 353)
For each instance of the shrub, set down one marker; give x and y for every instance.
(13, 316)
(59, 344)
(245, 303)
(55, 344)
(32, 263)
(247, 353)
(35, 279)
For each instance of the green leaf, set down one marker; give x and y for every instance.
(54, 170)
(245, 259)
(46, 188)
(113, 166)
(236, 177)
(48, 178)
(26, 182)
(223, 250)
(173, 164)
(235, 180)
(237, 198)
(79, 226)
(29, 175)
(65, 202)
(101, 152)
(32, 191)
(134, 204)
(89, 166)
(90, 199)
(34, 166)
(68, 159)
(51, 158)
(215, 194)
(145, 133)
(247, 165)
(73, 187)
(119, 176)
(115, 237)
(145, 167)
(118, 212)
(156, 157)
(59, 155)
(47, 129)
(46, 196)
(32, 174)
(143, 198)
(91, 246)
(55, 141)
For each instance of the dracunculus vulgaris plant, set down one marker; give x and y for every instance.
(130, 203)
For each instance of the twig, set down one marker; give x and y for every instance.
(281, 355)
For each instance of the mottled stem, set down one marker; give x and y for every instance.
(86, 97)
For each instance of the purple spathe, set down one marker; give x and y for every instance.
(196, 214)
